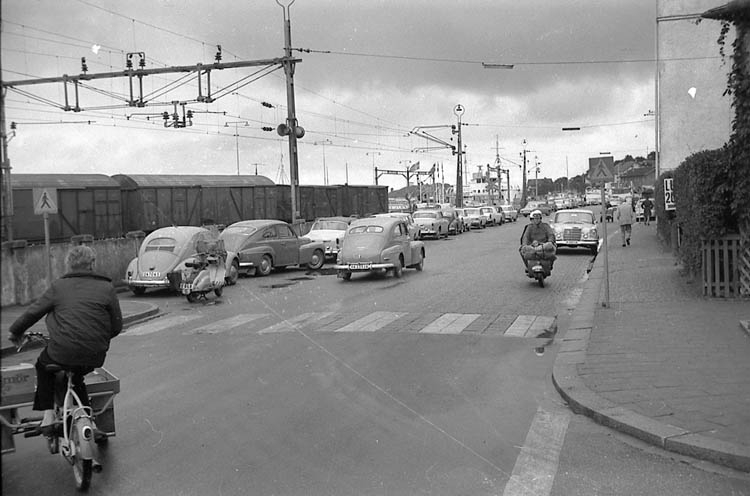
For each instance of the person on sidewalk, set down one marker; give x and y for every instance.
(83, 315)
(624, 216)
(647, 205)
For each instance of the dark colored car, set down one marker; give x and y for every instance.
(259, 246)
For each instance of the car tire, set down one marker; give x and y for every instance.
(234, 273)
(398, 270)
(317, 260)
(346, 275)
(420, 265)
(266, 264)
(594, 250)
(138, 290)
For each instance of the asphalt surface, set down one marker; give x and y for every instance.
(655, 360)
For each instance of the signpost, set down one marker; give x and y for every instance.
(668, 194)
(45, 203)
(600, 171)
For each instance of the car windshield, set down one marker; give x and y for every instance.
(234, 236)
(161, 244)
(333, 225)
(472, 211)
(366, 229)
(574, 217)
(425, 215)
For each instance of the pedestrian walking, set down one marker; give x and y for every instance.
(647, 205)
(624, 216)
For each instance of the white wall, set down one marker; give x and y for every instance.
(688, 57)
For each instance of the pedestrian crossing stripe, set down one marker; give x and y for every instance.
(524, 326)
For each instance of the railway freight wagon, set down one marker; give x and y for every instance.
(86, 204)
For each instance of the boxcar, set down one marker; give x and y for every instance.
(86, 204)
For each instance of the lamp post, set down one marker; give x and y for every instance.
(325, 170)
(537, 163)
(236, 140)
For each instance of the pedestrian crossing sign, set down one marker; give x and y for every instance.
(45, 200)
(600, 169)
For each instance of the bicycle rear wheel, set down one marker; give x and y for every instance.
(82, 468)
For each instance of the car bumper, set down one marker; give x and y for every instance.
(360, 267)
(582, 243)
(148, 283)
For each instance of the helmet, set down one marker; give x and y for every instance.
(536, 212)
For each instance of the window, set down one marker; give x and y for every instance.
(161, 244)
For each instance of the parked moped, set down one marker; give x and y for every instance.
(206, 273)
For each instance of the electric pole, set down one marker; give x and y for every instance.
(523, 178)
(459, 111)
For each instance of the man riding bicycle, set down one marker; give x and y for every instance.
(83, 315)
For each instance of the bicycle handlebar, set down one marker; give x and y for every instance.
(30, 337)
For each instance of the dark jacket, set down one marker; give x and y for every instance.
(83, 315)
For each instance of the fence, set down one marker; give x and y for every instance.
(721, 262)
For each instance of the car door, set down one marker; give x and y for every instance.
(288, 253)
(400, 238)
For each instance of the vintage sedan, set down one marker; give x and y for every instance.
(258, 246)
(330, 231)
(162, 256)
(576, 228)
(494, 215)
(379, 244)
(475, 219)
(432, 223)
(511, 214)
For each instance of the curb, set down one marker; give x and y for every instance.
(574, 342)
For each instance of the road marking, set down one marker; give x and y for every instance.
(227, 324)
(520, 326)
(371, 322)
(295, 323)
(450, 323)
(536, 465)
(158, 324)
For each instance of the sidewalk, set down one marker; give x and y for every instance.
(132, 311)
(661, 363)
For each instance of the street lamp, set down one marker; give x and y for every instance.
(325, 170)
(237, 140)
(537, 163)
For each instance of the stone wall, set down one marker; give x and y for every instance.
(25, 269)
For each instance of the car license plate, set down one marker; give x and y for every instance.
(151, 274)
(360, 266)
(186, 286)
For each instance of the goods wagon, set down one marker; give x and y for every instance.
(86, 204)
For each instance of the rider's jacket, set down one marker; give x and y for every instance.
(83, 315)
(542, 233)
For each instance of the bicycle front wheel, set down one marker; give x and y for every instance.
(82, 467)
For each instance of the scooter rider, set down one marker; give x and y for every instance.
(539, 233)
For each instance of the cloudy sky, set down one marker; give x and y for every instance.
(371, 72)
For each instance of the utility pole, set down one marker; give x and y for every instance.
(523, 178)
(536, 177)
(459, 111)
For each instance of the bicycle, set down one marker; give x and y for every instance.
(73, 433)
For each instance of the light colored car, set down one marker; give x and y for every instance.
(432, 223)
(455, 221)
(261, 245)
(330, 231)
(475, 219)
(379, 244)
(415, 230)
(545, 208)
(511, 214)
(494, 215)
(576, 228)
(162, 256)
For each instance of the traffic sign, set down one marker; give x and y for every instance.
(668, 194)
(600, 169)
(45, 200)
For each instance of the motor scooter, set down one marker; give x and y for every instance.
(538, 260)
(206, 273)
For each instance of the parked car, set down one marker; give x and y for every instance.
(461, 213)
(455, 222)
(330, 231)
(261, 245)
(511, 214)
(415, 230)
(432, 223)
(162, 256)
(475, 218)
(545, 208)
(379, 244)
(576, 228)
(494, 215)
